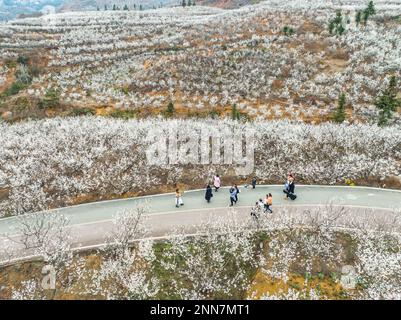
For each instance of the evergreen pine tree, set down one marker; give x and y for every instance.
(183, 3)
(331, 27)
(235, 115)
(340, 29)
(358, 18)
(336, 25)
(339, 116)
(126, 8)
(169, 110)
(368, 11)
(387, 102)
(339, 17)
(371, 9)
(365, 17)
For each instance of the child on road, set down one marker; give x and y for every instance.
(178, 198)
(255, 211)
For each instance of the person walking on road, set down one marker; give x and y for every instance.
(289, 188)
(216, 182)
(209, 193)
(233, 196)
(268, 202)
(255, 211)
(236, 192)
(292, 187)
(253, 182)
(260, 204)
(178, 198)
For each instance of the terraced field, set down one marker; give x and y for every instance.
(272, 60)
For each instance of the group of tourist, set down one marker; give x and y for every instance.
(262, 205)
(234, 190)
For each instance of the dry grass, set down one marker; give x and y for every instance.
(4, 193)
(265, 285)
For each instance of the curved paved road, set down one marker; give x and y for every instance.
(90, 222)
(194, 200)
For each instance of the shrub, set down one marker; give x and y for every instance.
(82, 112)
(214, 114)
(23, 60)
(125, 90)
(123, 114)
(35, 71)
(21, 104)
(51, 99)
(11, 63)
(23, 75)
(288, 31)
(15, 88)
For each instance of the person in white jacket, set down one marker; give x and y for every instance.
(216, 182)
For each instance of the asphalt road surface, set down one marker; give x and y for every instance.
(90, 223)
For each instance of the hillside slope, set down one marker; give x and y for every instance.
(204, 60)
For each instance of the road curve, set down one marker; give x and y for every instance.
(91, 222)
(194, 200)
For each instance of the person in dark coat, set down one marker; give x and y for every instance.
(209, 193)
(292, 184)
(233, 195)
(253, 182)
(289, 189)
(236, 192)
